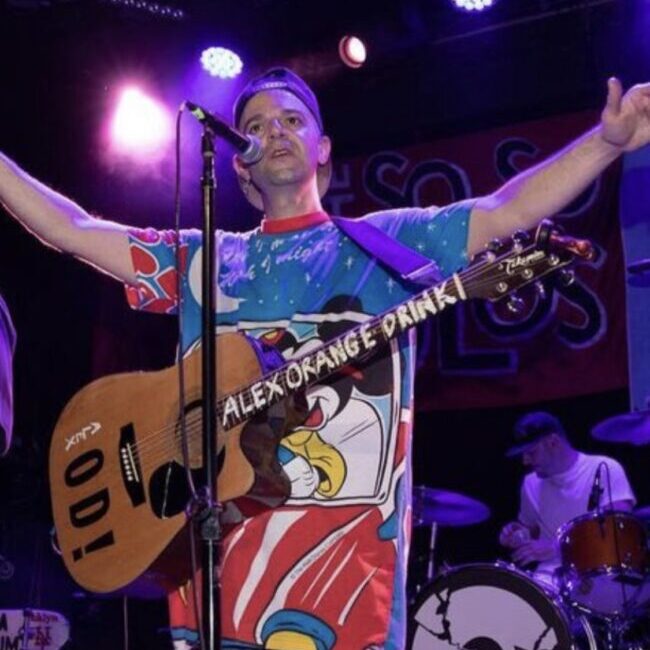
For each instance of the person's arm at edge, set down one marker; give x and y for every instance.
(62, 224)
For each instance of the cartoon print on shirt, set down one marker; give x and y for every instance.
(349, 420)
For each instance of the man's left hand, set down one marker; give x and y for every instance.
(537, 550)
(625, 120)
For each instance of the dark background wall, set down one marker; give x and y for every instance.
(432, 72)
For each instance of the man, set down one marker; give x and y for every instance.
(7, 345)
(327, 569)
(557, 490)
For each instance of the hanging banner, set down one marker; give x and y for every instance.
(569, 338)
(635, 225)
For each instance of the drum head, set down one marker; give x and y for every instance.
(487, 607)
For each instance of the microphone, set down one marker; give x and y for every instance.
(248, 146)
(596, 491)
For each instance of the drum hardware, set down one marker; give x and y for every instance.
(435, 507)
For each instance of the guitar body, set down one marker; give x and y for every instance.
(116, 470)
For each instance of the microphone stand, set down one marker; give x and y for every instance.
(208, 515)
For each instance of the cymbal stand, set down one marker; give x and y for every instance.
(430, 555)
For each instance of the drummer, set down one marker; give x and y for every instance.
(558, 489)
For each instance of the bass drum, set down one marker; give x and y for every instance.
(494, 607)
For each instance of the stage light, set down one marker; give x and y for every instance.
(473, 5)
(220, 62)
(352, 51)
(141, 125)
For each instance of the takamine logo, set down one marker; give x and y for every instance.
(522, 261)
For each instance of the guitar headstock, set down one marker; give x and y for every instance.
(507, 266)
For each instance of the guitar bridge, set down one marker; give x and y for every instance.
(130, 466)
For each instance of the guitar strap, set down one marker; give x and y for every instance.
(397, 257)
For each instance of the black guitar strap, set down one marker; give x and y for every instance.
(397, 257)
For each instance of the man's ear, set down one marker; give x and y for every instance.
(240, 169)
(324, 149)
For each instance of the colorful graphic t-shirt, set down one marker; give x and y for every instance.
(327, 568)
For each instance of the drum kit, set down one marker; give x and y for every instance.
(32, 629)
(599, 598)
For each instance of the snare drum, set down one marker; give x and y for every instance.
(494, 607)
(604, 561)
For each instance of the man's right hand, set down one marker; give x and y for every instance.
(514, 534)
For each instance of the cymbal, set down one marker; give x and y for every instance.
(446, 508)
(642, 513)
(632, 428)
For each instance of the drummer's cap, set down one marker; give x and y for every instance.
(531, 428)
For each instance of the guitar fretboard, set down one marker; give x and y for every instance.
(353, 346)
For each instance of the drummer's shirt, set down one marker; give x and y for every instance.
(552, 502)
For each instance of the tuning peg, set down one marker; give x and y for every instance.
(540, 289)
(515, 304)
(567, 277)
(522, 237)
(494, 246)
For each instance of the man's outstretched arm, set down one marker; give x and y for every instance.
(547, 188)
(59, 222)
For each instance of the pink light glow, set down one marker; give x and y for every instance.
(141, 125)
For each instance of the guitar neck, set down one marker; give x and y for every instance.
(354, 345)
(491, 278)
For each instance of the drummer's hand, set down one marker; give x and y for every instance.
(537, 550)
(514, 535)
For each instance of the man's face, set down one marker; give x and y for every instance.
(540, 457)
(291, 140)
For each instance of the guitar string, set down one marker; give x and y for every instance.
(158, 445)
(154, 438)
(114, 477)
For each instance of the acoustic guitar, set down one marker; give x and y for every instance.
(118, 483)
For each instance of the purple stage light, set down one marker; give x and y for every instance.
(473, 5)
(140, 125)
(220, 62)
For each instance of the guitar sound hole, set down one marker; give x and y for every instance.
(168, 490)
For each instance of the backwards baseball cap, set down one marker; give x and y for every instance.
(531, 428)
(281, 79)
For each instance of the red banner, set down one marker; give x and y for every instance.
(569, 338)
